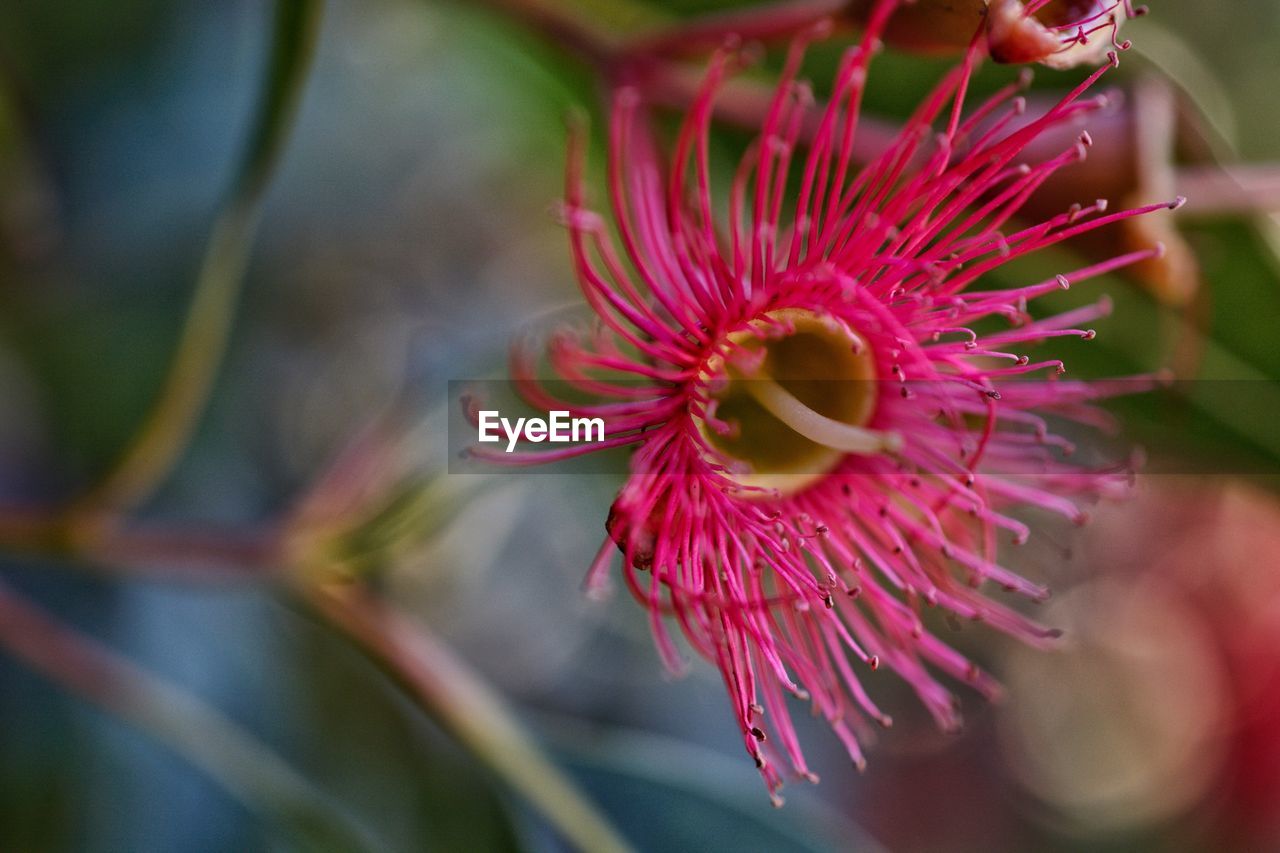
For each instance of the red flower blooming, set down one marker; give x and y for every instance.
(826, 432)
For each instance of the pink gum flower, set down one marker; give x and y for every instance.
(831, 415)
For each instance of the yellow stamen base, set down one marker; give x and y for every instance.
(797, 391)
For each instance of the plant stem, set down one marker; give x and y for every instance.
(611, 53)
(245, 767)
(1233, 189)
(169, 425)
(171, 553)
(439, 684)
(767, 22)
(464, 705)
(562, 29)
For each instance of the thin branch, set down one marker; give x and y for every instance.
(245, 767)
(566, 31)
(170, 424)
(439, 684)
(767, 22)
(463, 704)
(1231, 189)
(182, 553)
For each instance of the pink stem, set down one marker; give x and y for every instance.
(1235, 188)
(180, 553)
(765, 23)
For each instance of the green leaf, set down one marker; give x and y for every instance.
(667, 794)
(169, 426)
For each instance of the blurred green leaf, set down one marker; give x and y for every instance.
(169, 425)
(667, 794)
(1220, 416)
(185, 723)
(386, 762)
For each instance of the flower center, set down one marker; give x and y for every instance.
(792, 396)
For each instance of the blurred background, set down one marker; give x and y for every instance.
(404, 233)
